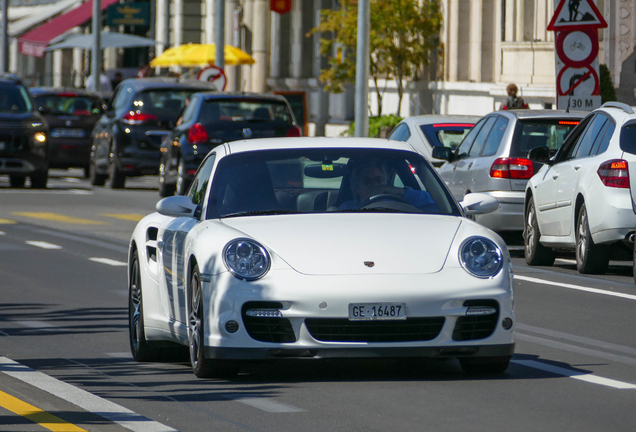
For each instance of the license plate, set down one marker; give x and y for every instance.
(377, 311)
(3, 146)
(68, 133)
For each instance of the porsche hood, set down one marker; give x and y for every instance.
(363, 244)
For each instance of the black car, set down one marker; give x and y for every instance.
(126, 139)
(215, 118)
(71, 114)
(24, 135)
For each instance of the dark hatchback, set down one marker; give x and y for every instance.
(215, 118)
(71, 114)
(126, 139)
(24, 135)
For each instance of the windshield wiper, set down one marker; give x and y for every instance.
(261, 213)
(371, 210)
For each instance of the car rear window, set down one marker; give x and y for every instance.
(446, 134)
(532, 133)
(14, 99)
(70, 104)
(240, 109)
(164, 102)
(628, 138)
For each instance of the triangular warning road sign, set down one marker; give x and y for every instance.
(578, 15)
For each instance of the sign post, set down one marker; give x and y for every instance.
(578, 86)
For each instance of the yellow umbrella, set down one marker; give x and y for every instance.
(191, 55)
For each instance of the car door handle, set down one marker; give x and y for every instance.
(469, 166)
(555, 176)
(578, 167)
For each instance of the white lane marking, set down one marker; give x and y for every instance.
(47, 191)
(263, 404)
(81, 398)
(579, 350)
(516, 248)
(108, 261)
(583, 376)
(71, 179)
(44, 245)
(566, 261)
(576, 287)
(2, 233)
(120, 355)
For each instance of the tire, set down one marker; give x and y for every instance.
(95, 178)
(536, 254)
(141, 350)
(116, 179)
(17, 181)
(182, 183)
(202, 367)
(634, 262)
(39, 179)
(165, 190)
(484, 365)
(590, 258)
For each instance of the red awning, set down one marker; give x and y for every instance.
(35, 42)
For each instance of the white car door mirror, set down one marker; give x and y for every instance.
(176, 206)
(479, 203)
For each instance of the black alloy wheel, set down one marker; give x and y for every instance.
(536, 254)
(139, 347)
(95, 178)
(40, 179)
(590, 258)
(182, 182)
(165, 190)
(116, 178)
(17, 181)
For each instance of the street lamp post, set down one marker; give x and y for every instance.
(96, 61)
(4, 42)
(362, 70)
(219, 34)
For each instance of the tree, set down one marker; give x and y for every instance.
(608, 93)
(402, 35)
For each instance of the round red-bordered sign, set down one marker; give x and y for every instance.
(590, 72)
(215, 75)
(577, 48)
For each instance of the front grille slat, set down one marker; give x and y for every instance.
(343, 330)
(275, 330)
(476, 327)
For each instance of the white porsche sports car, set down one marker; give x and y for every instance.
(319, 248)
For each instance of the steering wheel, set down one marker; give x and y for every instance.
(383, 197)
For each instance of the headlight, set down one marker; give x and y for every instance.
(39, 137)
(246, 259)
(481, 257)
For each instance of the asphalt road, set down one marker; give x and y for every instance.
(65, 362)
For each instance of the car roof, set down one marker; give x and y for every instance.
(166, 82)
(38, 91)
(314, 142)
(539, 114)
(439, 118)
(224, 95)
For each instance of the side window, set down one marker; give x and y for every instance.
(200, 181)
(495, 136)
(464, 147)
(570, 144)
(120, 98)
(602, 143)
(592, 134)
(475, 150)
(401, 133)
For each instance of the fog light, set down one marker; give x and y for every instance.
(507, 323)
(264, 313)
(480, 310)
(231, 326)
(40, 137)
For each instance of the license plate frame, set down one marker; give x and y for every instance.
(379, 311)
(68, 133)
(3, 145)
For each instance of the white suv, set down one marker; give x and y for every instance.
(580, 199)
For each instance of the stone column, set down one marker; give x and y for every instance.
(451, 54)
(275, 46)
(519, 20)
(58, 69)
(230, 71)
(248, 37)
(475, 53)
(296, 40)
(261, 45)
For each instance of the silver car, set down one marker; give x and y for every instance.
(492, 159)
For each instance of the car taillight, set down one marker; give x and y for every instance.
(513, 168)
(137, 118)
(614, 173)
(294, 131)
(198, 134)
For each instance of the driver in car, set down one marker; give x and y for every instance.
(369, 180)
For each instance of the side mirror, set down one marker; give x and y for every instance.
(176, 206)
(479, 203)
(540, 155)
(443, 153)
(44, 110)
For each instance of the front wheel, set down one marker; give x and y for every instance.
(139, 347)
(536, 254)
(116, 178)
(165, 190)
(40, 179)
(95, 178)
(590, 258)
(182, 182)
(202, 367)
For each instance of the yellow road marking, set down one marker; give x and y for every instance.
(7, 221)
(135, 217)
(36, 415)
(57, 217)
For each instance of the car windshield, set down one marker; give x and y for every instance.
(14, 99)
(532, 133)
(70, 104)
(327, 180)
(445, 134)
(163, 102)
(241, 109)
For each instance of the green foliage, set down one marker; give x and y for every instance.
(402, 35)
(375, 125)
(608, 93)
